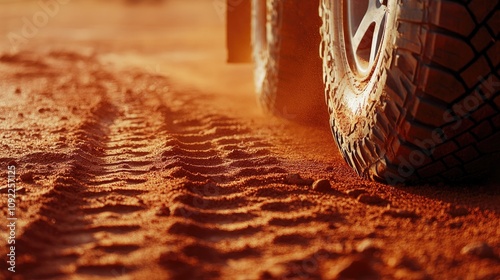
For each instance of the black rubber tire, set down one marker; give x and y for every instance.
(288, 75)
(430, 109)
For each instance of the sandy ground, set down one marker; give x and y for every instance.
(139, 154)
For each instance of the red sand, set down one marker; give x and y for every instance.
(140, 155)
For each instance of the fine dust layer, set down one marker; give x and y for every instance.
(127, 173)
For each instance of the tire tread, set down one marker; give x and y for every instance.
(435, 93)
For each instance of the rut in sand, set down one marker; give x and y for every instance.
(94, 215)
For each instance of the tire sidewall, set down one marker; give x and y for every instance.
(353, 96)
(354, 102)
(264, 55)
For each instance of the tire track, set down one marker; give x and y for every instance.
(120, 168)
(54, 240)
(91, 221)
(226, 205)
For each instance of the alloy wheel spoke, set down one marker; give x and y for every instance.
(366, 29)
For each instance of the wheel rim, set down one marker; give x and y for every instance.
(364, 26)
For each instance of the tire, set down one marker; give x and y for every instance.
(288, 77)
(424, 104)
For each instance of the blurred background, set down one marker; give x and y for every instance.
(175, 38)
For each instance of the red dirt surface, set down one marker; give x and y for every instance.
(139, 154)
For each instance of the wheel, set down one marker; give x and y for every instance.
(413, 87)
(288, 77)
